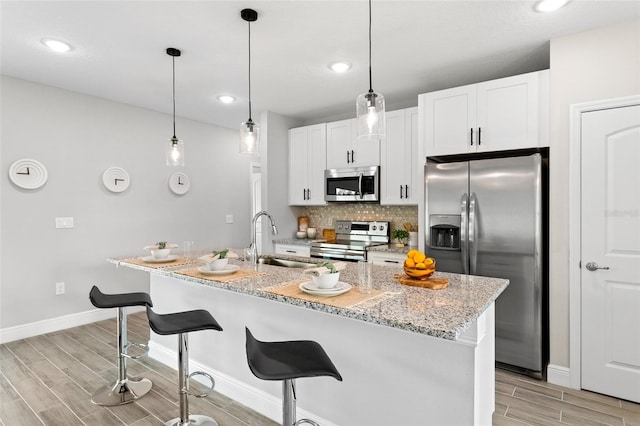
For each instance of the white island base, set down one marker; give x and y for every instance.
(391, 376)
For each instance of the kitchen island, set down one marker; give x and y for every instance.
(408, 355)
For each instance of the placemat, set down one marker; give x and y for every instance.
(177, 262)
(345, 300)
(240, 274)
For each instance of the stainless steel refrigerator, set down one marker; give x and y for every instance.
(488, 217)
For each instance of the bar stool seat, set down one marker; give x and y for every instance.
(125, 389)
(287, 361)
(181, 323)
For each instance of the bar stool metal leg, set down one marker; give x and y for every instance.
(125, 389)
(183, 384)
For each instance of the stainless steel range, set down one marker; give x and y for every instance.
(352, 240)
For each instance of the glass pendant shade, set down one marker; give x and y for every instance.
(249, 138)
(175, 152)
(370, 115)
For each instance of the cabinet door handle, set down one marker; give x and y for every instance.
(401, 192)
(406, 191)
(308, 194)
(471, 137)
(479, 136)
(352, 157)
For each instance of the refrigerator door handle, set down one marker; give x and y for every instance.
(464, 226)
(473, 233)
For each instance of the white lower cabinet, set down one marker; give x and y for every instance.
(293, 250)
(386, 258)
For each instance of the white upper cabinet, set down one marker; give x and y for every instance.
(497, 115)
(345, 150)
(399, 159)
(307, 159)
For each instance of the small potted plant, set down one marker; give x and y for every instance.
(401, 236)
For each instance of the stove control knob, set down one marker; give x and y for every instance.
(374, 227)
(382, 227)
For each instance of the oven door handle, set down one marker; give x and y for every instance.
(360, 186)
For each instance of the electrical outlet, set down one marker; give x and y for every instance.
(229, 218)
(64, 222)
(59, 289)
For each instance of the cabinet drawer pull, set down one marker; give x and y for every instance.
(291, 251)
(392, 261)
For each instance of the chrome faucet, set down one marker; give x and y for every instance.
(253, 247)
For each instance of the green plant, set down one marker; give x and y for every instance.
(329, 266)
(400, 234)
(162, 245)
(222, 253)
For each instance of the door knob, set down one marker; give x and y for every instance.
(593, 266)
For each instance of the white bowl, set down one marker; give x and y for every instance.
(301, 234)
(218, 264)
(160, 253)
(326, 280)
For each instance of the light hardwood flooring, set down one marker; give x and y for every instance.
(48, 380)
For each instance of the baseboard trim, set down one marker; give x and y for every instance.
(559, 375)
(256, 399)
(37, 328)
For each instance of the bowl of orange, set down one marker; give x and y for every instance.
(417, 265)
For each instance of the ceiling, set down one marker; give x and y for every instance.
(418, 46)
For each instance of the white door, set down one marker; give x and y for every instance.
(610, 232)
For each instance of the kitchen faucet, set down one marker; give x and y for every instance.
(253, 249)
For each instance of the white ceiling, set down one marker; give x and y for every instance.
(418, 46)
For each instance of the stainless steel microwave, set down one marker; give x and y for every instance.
(356, 184)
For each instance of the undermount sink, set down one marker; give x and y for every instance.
(285, 263)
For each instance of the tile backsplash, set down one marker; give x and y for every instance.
(325, 216)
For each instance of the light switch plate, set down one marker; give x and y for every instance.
(64, 222)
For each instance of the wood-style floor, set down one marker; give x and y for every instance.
(48, 379)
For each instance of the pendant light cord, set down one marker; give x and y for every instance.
(370, 79)
(174, 96)
(249, 23)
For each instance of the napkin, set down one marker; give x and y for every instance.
(211, 258)
(324, 270)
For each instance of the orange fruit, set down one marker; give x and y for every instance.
(419, 257)
(411, 253)
(429, 261)
(421, 265)
(410, 263)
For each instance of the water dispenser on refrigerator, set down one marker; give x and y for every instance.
(444, 232)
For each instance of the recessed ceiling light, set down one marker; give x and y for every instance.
(339, 67)
(226, 99)
(56, 45)
(550, 5)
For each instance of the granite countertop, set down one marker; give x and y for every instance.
(297, 241)
(391, 248)
(445, 313)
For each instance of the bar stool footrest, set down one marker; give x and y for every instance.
(208, 376)
(136, 345)
(307, 421)
(194, 420)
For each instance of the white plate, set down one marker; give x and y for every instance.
(152, 259)
(340, 288)
(229, 269)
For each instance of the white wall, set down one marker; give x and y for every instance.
(77, 137)
(594, 65)
(275, 179)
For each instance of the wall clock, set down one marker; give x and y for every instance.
(179, 183)
(116, 179)
(28, 174)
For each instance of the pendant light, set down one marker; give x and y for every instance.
(249, 131)
(175, 147)
(370, 106)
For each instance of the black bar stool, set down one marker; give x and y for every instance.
(288, 361)
(181, 323)
(125, 389)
